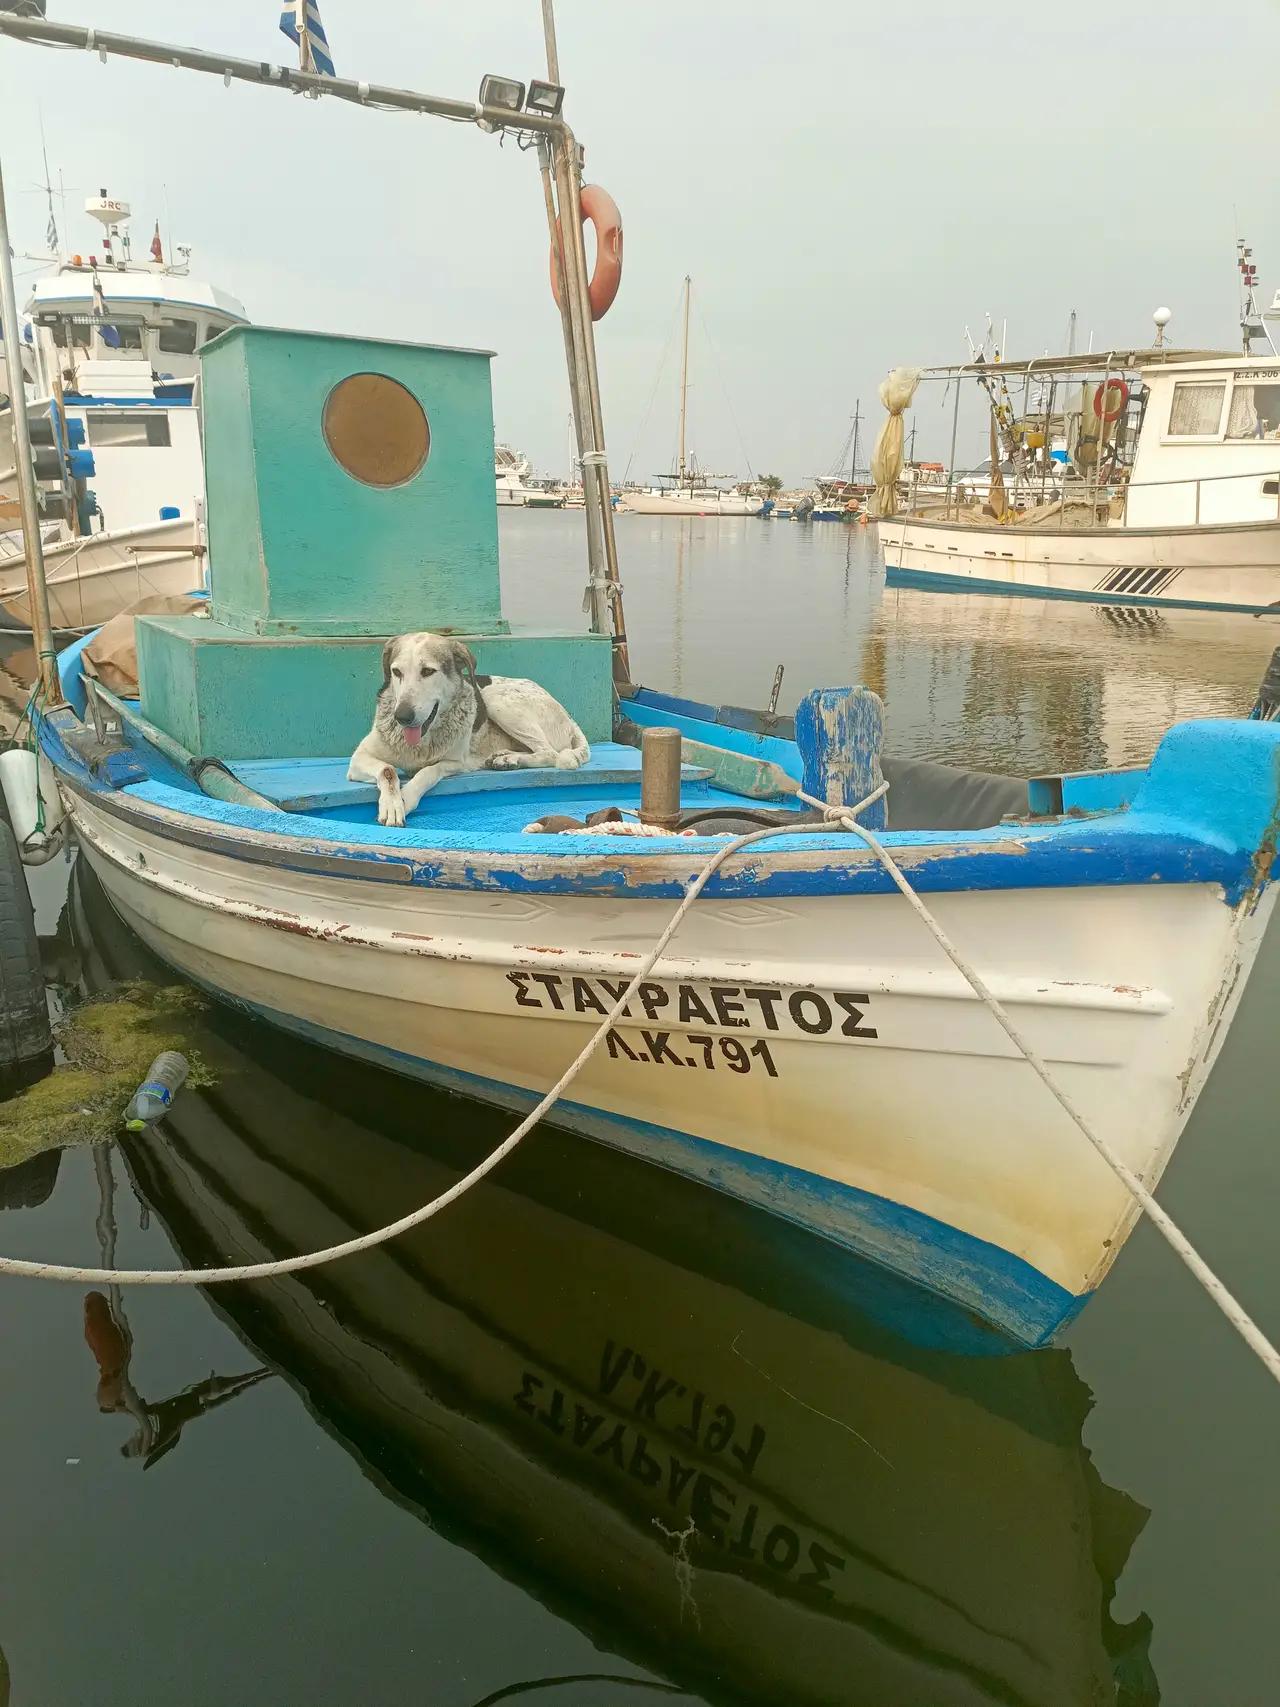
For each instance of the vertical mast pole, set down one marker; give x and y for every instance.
(955, 433)
(574, 350)
(549, 36)
(604, 585)
(37, 588)
(684, 378)
(853, 460)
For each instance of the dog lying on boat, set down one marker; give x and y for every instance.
(436, 717)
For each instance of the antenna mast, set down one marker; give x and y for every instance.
(51, 235)
(1248, 285)
(684, 378)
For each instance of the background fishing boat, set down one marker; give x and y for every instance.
(1167, 492)
(110, 359)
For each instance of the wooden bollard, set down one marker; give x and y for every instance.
(660, 778)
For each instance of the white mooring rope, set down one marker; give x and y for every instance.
(368, 1241)
(1235, 1313)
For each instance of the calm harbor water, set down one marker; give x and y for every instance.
(460, 1470)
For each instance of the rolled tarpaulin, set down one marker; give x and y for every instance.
(896, 393)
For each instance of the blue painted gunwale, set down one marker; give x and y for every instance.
(1204, 814)
(1206, 811)
(701, 723)
(926, 579)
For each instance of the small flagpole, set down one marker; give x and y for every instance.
(305, 58)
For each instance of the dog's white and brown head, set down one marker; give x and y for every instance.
(429, 698)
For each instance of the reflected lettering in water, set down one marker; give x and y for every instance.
(679, 1422)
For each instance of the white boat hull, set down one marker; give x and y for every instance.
(1227, 566)
(812, 1055)
(703, 504)
(90, 580)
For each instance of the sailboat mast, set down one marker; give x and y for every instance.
(684, 377)
(853, 461)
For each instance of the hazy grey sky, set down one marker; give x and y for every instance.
(849, 185)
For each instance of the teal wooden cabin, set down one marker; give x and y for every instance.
(350, 497)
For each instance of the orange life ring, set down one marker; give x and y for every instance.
(600, 208)
(1112, 386)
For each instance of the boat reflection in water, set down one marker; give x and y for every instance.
(1022, 685)
(665, 1414)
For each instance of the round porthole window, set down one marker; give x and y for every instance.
(376, 430)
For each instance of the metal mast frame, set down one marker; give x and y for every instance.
(561, 160)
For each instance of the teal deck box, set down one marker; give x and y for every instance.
(350, 485)
(350, 497)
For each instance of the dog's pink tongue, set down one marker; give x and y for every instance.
(413, 734)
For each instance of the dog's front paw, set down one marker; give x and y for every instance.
(504, 762)
(391, 811)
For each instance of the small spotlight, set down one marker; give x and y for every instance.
(544, 98)
(502, 92)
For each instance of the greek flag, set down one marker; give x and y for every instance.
(318, 41)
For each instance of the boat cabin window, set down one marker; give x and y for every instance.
(1255, 412)
(117, 336)
(123, 429)
(1197, 411)
(212, 330)
(79, 334)
(178, 337)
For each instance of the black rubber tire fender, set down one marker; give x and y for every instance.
(26, 1040)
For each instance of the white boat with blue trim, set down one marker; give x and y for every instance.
(110, 360)
(802, 1044)
(1188, 514)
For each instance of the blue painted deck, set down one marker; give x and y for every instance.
(1204, 812)
(318, 785)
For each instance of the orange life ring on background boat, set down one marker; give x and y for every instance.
(600, 208)
(1112, 387)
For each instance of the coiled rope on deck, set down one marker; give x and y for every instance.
(1235, 1313)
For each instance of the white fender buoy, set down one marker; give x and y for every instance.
(27, 785)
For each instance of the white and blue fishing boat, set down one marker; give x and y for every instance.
(110, 359)
(802, 1045)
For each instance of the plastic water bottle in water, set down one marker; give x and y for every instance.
(152, 1099)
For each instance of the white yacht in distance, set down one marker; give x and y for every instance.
(688, 490)
(511, 470)
(513, 473)
(110, 363)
